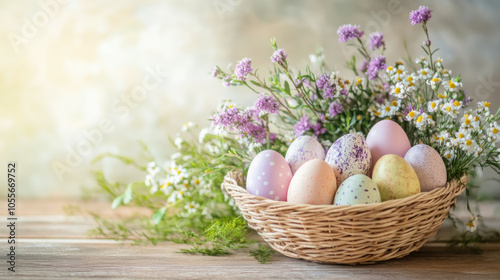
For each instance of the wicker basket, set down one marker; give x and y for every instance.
(346, 234)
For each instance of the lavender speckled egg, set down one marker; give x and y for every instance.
(303, 149)
(357, 189)
(313, 183)
(349, 155)
(428, 165)
(395, 178)
(269, 176)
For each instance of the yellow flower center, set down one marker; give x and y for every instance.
(476, 118)
(231, 106)
(168, 184)
(433, 105)
(377, 113)
(186, 185)
(178, 172)
(467, 122)
(358, 81)
(181, 192)
(441, 138)
(411, 114)
(409, 79)
(394, 103)
(460, 135)
(191, 206)
(389, 68)
(397, 90)
(441, 96)
(197, 181)
(358, 117)
(387, 109)
(468, 142)
(435, 80)
(470, 224)
(448, 109)
(451, 84)
(456, 103)
(399, 71)
(487, 104)
(448, 155)
(424, 72)
(495, 131)
(420, 119)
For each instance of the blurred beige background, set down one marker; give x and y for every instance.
(121, 71)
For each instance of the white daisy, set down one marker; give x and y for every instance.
(425, 73)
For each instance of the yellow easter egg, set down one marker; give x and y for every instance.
(395, 178)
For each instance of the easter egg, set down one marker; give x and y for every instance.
(349, 155)
(357, 189)
(303, 149)
(428, 165)
(313, 183)
(387, 137)
(269, 176)
(395, 178)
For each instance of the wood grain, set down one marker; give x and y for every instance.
(52, 245)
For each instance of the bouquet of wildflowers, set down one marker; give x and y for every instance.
(421, 95)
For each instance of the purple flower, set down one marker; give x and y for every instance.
(318, 129)
(323, 84)
(375, 65)
(301, 126)
(215, 72)
(423, 14)
(267, 104)
(278, 56)
(349, 31)
(243, 67)
(335, 109)
(226, 81)
(376, 40)
(408, 109)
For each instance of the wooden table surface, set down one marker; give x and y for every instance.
(53, 245)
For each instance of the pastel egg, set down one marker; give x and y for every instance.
(349, 155)
(303, 149)
(429, 166)
(313, 183)
(395, 178)
(269, 176)
(387, 137)
(357, 189)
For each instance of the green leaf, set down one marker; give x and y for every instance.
(158, 215)
(127, 196)
(255, 83)
(287, 88)
(117, 201)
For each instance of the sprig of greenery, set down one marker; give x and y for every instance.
(220, 237)
(264, 254)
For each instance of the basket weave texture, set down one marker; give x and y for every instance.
(358, 234)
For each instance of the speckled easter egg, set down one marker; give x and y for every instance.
(357, 189)
(395, 178)
(303, 149)
(428, 165)
(269, 176)
(387, 137)
(349, 155)
(313, 183)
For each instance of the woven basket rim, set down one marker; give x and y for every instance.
(361, 207)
